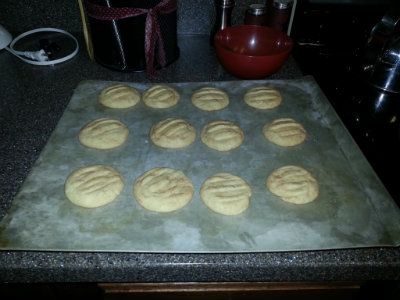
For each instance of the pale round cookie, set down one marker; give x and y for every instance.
(160, 96)
(226, 194)
(103, 133)
(173, 133)
(293, 184)
(222, 135)
(263, 97)
(285, 132)
(209, 99)
(119, 96)
(163, 190)
(93, 186)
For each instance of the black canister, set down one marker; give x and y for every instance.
(124, 33)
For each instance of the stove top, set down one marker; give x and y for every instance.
(372, 116)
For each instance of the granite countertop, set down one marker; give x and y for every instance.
(31, 103)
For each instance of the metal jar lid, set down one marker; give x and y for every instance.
(282, 4)
(256, 9)
(225, 3)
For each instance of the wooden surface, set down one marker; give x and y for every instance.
(370, 290)
(232, 290)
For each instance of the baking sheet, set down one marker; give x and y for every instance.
(352, 210)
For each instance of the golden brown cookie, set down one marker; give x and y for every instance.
(103, 133)
(173, 133)
(293, 184)
(93, 186)
(163, 190)
(160, 96)
(222, 135)
(226, 194)
(209, 99)
(263, 97)
(285, 132)
(119, 96)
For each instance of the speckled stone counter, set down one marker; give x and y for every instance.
(33, 99)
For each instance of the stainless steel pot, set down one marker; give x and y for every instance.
(386, 71)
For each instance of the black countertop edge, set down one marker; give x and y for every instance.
(333, 265)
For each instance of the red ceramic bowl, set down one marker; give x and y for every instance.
(252, 52)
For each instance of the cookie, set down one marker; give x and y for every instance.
(160, 96)
(93, 186)
(293, 184)
(263, 97)
(226, 194)
(222, 135)
(103, 133)
(285, 132)
(209, 99)
(163, 190)
(173, 133)
(119, 96)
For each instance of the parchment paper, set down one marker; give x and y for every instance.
(352, 210)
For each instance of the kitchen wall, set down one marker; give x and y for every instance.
(195, 16)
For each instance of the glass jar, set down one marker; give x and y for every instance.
(256, 14)
(223, 15)
(279, 15)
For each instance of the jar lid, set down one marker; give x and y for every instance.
(225, 3)
(282, 4)
(257, 9)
